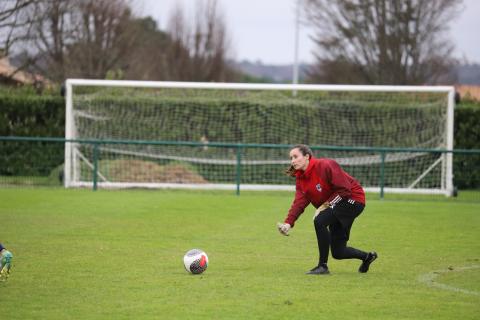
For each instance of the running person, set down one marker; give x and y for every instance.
(339, 199)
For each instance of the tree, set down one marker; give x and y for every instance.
(381, 41)
(15, 22)
(82, 38)
(200, 51)
(147, 58)
(51, 36)
(103, 39)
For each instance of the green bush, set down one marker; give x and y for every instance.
(23, 113)
(32, 115)
(466, 168)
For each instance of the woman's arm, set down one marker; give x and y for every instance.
(298, 206)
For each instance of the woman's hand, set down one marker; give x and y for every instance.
(283, 228)
(324, 206)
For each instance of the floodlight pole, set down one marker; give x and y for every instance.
(295, 59)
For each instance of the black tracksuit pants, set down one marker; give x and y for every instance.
(332, 227)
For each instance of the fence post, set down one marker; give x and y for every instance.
(382, 174)
(95, 165)
(239, 169)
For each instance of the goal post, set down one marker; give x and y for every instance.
(239, 134)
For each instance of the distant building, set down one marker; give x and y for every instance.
(468, 92)
(10, 75)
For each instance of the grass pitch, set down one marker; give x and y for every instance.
(118, 255)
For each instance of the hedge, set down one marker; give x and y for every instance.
(26, 114)
(467, 136)
(31, 116)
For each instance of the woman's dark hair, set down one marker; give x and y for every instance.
(305, 150)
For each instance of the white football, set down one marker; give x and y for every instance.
(195, 261)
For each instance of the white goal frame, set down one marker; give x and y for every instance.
(72, 156)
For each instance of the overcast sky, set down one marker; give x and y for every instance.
(264, 30)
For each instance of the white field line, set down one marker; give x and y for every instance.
(429, 280)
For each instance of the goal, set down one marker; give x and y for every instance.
(232, 135)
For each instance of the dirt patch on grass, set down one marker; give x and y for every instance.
(147, 171)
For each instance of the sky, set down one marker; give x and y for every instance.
(264, 30)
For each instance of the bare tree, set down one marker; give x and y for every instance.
(52, 35)
(15, 22)
(200, 51)
(82, 38)
(381, 41)
(102, 38)
(178, 52)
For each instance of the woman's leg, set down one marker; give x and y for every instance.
(340, 250)
(340, 235)
(321, 222)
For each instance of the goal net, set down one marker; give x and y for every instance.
(222, 136)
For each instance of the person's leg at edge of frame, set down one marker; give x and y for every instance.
(5, 262)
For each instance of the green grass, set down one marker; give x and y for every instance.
(118, 255)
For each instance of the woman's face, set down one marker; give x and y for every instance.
(298, 160)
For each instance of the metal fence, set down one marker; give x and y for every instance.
(57, 162)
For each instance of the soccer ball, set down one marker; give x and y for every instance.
(195, 261)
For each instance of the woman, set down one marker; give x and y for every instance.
(339, 199)
(5, 262)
